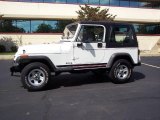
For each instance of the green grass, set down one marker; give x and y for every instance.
(7, 53)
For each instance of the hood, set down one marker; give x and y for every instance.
(61, 47)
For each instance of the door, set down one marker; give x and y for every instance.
(90, 45)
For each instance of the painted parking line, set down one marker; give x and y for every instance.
(150, 65)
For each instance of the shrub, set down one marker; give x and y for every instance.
(88, 13)
(2, 48)
(13, 48)
(9, 44)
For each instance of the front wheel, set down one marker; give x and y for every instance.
(35, 76)
(121, 71)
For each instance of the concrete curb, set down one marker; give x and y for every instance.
(150, 55)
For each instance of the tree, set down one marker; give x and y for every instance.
(9, 26)
(88, 13)
(61, 24)
(44, 28)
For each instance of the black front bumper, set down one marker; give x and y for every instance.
(14, 68)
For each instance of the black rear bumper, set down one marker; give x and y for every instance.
(138, 64)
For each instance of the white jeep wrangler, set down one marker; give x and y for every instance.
(99, 47)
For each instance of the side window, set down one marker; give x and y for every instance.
(91, 34)
(121, 35)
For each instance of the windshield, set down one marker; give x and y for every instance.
(69, 31)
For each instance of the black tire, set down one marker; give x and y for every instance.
(35, 76)
(121, 71)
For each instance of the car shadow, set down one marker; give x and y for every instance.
(70, 80)
(137, 76)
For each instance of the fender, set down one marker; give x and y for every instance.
(117, 56)
(43, 59)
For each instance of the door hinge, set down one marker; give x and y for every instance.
(69, 63)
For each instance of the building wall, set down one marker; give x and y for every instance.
(67, 11)
(26, 39)
(145, 42)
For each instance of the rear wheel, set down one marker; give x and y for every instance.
(121, 71)
(35, 76)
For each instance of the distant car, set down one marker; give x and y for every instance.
(99, 47)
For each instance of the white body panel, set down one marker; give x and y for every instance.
(89, 53)
(59, 53)
(65, 53)
(133, 52)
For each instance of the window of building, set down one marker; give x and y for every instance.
(83, 1)
(36, 25)
(24, 0)
(147, 28)
(11, 0)
(8, 26)
(114, 2)
(24, 25)
(37, 0)
(49, 1)
(72, 1)
(51, 23)
(156, 4)
(96, 2)
(51, 26)
(61, 24)
(104, 2)
(134, 3)
(57, 26)
(61, 1)
(124, 3)
(145, 4)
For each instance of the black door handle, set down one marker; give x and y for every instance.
(79, 44)
(99, 45)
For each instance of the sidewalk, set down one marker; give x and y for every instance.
(6, 57)
(10, 57)
(150, 53)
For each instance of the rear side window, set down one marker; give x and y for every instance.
(121, 36)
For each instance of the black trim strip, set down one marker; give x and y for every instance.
(83, 66)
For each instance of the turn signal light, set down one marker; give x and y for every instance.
(23, 55)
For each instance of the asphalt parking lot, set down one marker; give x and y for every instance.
(84, 96)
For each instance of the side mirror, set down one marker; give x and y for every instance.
(79, 44)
